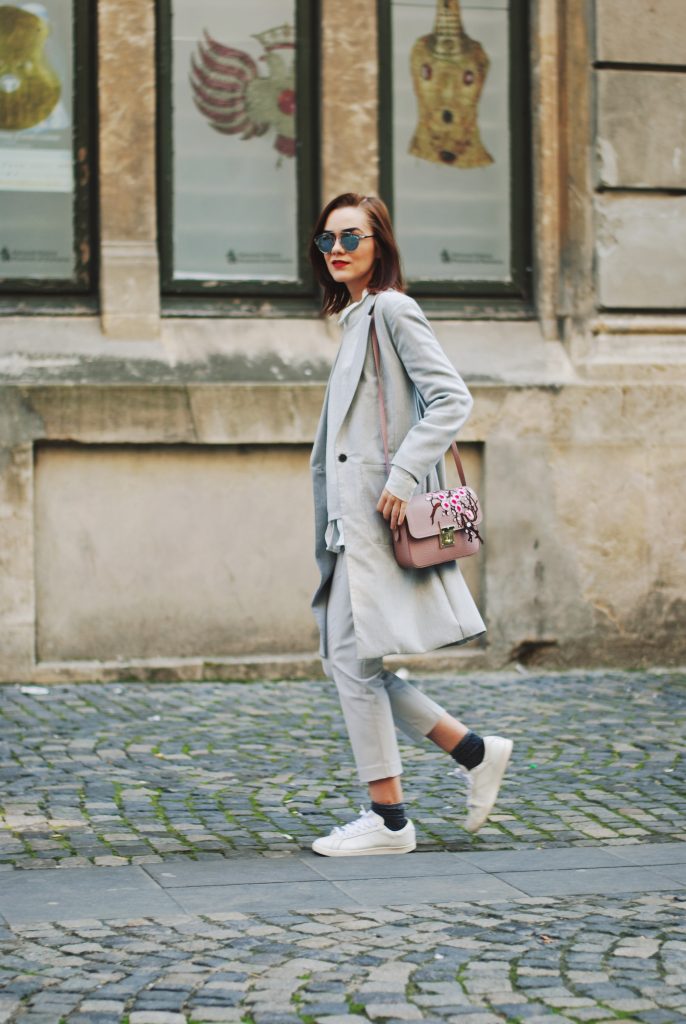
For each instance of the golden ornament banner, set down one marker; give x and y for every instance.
(36, 154)
(451, 138)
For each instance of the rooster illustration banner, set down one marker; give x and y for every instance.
(451, 138)
(235, 146)
(36, 156)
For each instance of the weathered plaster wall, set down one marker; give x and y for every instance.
(162, 550)
(127, 465)
(177, 550)
(186, 551)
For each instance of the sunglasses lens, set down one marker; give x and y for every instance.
(350, 242)
(325, 242)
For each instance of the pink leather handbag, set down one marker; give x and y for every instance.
(439, 526)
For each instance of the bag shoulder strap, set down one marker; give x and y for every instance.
(382, 405)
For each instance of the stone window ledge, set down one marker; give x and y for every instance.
(48, 350)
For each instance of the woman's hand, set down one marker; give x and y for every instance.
(392, 508)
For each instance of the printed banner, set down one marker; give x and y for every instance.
(234, 146)
(36, 155)
(451, 138)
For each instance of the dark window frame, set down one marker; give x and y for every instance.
(245, 298)
(75, 294)
(475, 299)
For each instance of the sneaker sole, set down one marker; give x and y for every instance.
(366, 853)
(482, 822)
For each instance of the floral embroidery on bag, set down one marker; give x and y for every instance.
(460, 504)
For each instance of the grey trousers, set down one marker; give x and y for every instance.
(373, 700)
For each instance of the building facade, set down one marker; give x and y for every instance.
(163, 360)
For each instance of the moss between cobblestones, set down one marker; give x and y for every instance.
(588, 787)
(163, 817)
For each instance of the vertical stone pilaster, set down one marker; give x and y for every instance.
(577, 295)
(546, 43)
(128, 202)
(19, 428)
(17, 602)
(350, 100)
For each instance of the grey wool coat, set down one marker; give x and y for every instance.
(395, 610)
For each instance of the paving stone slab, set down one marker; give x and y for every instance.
(428, 889)
(406, 866)
(579, 881)
(261, 896)
(675, 872)
(650, 853)
(234, 871)
(60, 896)
(543, 859)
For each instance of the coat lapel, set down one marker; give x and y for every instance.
(348, 384)
(318, 457)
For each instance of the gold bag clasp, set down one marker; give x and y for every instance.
(446, 537)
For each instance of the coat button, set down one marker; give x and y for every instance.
(342, 458)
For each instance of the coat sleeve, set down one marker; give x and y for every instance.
(444, 393)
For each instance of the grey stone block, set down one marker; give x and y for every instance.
(398, 1011)
(641, 251)
(217, 1015)
(641, 31)
(8, 1004)
(641, 137)
(340, 1018)
(154, 1017)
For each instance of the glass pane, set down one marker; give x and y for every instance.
(36, 156)
(234, 148)
(451, 138)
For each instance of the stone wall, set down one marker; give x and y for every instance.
(155, 518)
(637, 176)
(640, 83)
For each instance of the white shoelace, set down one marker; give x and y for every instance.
(365, 822)
(461, 772)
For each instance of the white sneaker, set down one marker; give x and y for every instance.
(365, 836)
(484, 781)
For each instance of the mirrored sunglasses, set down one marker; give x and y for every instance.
(349, 241)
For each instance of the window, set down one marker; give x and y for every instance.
(45, 151)
(454, 143)
(238, 194)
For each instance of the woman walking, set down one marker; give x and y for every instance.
(367, 606)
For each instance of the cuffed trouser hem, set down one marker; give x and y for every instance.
(374, 772)
(373, 700)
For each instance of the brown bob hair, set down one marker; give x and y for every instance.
(387, 270)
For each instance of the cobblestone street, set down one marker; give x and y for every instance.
(110, 779)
